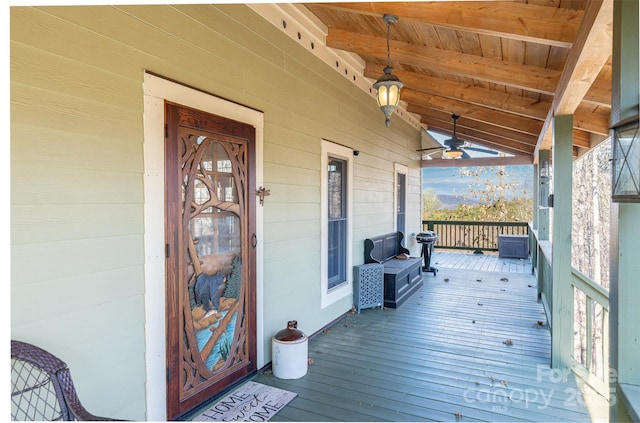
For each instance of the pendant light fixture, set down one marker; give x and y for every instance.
(388, 85)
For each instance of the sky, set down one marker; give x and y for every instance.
(445, 179)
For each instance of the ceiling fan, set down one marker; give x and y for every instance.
(456, 146)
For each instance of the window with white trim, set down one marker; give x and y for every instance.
(336, 222)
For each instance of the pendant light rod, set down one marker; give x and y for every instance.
(390, 20)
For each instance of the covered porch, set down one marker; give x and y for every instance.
(471, 345)
(90, 87)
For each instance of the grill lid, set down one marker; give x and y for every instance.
(428, 236)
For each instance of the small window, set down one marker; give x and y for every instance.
(336, 250)
(337, 222)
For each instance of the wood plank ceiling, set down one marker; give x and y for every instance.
(506, 67)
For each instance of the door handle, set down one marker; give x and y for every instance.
(254, 240)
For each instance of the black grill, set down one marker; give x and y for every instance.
(427, 239)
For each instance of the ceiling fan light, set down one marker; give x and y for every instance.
(454, 153)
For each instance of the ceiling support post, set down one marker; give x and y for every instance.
(562, 291)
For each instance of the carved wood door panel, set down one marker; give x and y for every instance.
(210, 265)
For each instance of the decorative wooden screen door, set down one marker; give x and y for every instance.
(210, 265)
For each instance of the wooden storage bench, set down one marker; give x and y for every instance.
(402, 277)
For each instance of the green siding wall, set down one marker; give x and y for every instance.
(77, 259)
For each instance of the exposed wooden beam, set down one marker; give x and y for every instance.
(600, 91)
(488, 161)
(581, 139)
(589, 54)
(587, 57)
(486, 69)
(523, 106)
(525, 22)
(470, 111)
(487, 129)
(591, 122)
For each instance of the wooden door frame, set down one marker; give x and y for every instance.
(156, 90)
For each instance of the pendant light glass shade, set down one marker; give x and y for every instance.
(388, 93)
(388, 85)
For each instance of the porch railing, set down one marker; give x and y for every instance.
(471, 235)
(591, 329)
(590, 317)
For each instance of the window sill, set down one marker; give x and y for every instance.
(631, 399)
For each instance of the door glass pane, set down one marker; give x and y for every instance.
(401, 202)
(337, 222)
(336, 188)
(214, 270)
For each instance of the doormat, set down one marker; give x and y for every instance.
(252, 402)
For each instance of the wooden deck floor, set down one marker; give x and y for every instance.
(489, 262)
(440, 354)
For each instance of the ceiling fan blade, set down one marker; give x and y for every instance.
(482, 150)
(465, 155)
(432, 148)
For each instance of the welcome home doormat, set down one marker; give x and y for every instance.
(252, 402)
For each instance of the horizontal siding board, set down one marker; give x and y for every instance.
(282, 194)
(50, 109)
(109, 23)
(123, 315)
(42, 185)
(122, 350)
(284, 139)
(282, 173)
(284, 266)
(35, 302)
(64, 259)
(33, 66)
(293, 156)
(379, 175)
(297, 226)
(279, 213)
(275, 250)
(57, 37)
(62, 222)
(212, 18)
(64, 148)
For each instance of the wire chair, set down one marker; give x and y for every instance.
(41, 387)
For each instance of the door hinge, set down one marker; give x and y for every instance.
(168, 374)
(167, 250)
(166, 130)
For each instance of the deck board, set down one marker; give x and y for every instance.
(435, 356)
